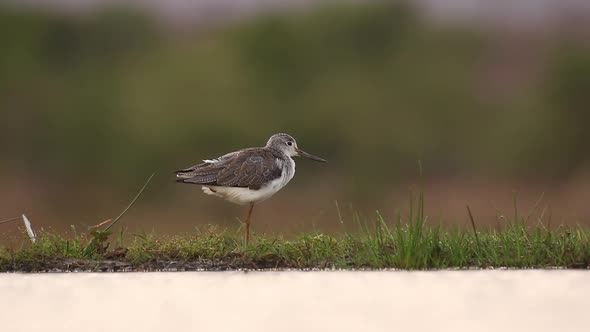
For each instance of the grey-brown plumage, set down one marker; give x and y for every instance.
(248, 168)
(249, 175)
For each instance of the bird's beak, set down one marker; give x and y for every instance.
(310, 156)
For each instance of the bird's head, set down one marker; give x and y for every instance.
(287, 144)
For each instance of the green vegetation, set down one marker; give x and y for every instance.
(358, 81)
(378, 244)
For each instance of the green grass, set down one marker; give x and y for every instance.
(413, 244)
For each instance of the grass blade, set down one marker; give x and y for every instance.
(10, 220)
(99, 237)
(130, 204)
(473, 226)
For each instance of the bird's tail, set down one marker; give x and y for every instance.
(185, 173)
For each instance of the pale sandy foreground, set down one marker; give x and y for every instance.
(297, 301)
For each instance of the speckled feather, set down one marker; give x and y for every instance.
(249, 168)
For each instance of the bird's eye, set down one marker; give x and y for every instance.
(289, 143)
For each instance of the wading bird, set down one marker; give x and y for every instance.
(250, 175)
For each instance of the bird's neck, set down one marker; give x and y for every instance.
(277, 153)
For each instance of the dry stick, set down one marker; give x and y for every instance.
(540, 218)
(102, 223)
(130, 204)
(127, 208)
(535, 207)
(27, 224)
(10, 220)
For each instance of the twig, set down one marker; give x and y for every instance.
(10, 220)
(130, 204)
(91, 243)
(535, 207)
(102, 223)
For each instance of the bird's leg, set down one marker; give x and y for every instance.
(248, 223)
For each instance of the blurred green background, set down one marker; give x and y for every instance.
(91, 104)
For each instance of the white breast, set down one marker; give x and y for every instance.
(246, 195)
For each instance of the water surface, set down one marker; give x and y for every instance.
(297, 301)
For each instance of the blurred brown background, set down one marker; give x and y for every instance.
(491, 96)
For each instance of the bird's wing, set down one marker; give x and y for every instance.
(247, 168)
(250, 170)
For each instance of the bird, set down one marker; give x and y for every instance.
(250, 175)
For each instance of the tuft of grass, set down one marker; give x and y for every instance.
(380, 245)
(411, 244)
